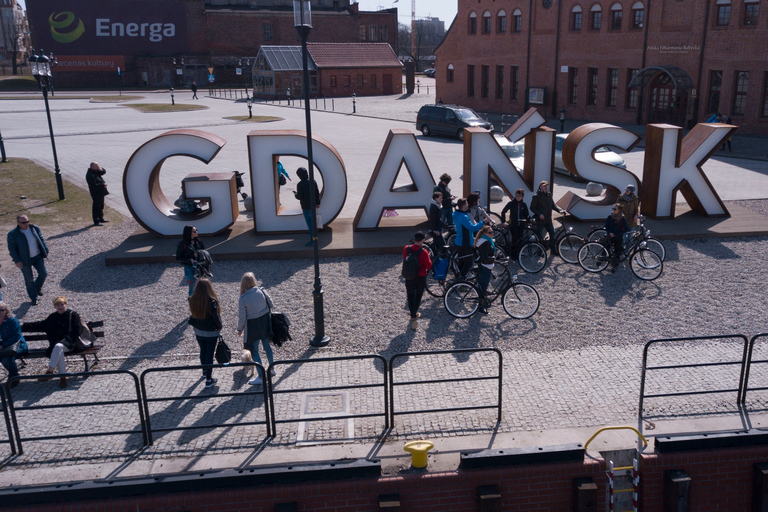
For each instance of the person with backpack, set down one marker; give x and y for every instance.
(416, 263)
(186, 253)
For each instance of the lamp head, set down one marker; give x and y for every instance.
(302, 14)
(43, 64)
(33, 64)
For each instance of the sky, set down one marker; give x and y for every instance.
(443, 9)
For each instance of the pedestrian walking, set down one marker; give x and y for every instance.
(28, 250)
(98, 189)
(187, 252)
(254, 306)
(303, 190)
(416, 264)
(13, 343)
(205, 319)
(194, 90)
(542, 206)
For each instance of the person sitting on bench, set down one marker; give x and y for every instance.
(62, 329)
(12, 341)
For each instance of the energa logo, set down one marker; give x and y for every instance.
(64, 28)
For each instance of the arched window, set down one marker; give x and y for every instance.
(449, 74)
(472, 27)
(596, 17)
(638, 15)
(750, 12)
(576, 18)
(501, 22)
(487, 22)
(517, 21)
(616, 14)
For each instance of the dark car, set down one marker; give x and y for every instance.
(448, 120)
(429, 73)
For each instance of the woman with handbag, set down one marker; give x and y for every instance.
(13, 342)
(255, 305)
(205, 319)
(62, 329)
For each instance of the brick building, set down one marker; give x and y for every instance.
(615, 61)
(194, 38)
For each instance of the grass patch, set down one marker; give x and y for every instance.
(165, 107)
(115, 99)
(255, 119)
(22, 177)
(18, 83)
(39, 97)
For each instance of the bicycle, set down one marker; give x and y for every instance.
(654, 244)
(520, 300)
(531, 254)
(645, 263)
(567, 243)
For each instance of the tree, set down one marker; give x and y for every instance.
(12, 39)
(428, 35)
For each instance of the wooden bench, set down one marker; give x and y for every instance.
(39, 353)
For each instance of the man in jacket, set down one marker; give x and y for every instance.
(27, 248)
(542, 205)
(465, 236)
(98, 189)
(303, 190)
(442, 187)
(436, 219)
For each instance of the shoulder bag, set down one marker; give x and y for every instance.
(222, 354)
(86, 338)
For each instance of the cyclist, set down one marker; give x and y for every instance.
(485, 251)
(630, 204)
(476, 212)
(436, 220)
(542, 205)
(442, 187)
(465, 229)
(518, 213)
(616, 225)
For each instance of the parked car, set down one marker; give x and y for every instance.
(602, 154)
(448, 120)
(430, 73)
(514, 151)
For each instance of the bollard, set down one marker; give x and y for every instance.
(419, 451)
(2, 149)
(354, 108)
(173, 102)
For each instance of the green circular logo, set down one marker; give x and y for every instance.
(64, 20)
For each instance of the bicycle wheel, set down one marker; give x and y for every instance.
(646, 264)
(568, 247)
(656, 246)
(593, 257)
(532, 257)
(435, 287)
(495, 217)
(596, 234)
(462, 299)
(521, 301)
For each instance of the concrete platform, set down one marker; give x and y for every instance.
(338, 238)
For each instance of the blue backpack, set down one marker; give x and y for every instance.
(440, 269)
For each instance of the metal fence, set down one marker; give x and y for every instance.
(750, 362)
(7, 417)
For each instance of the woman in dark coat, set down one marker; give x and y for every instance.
(12, 341)
(186, 253)
(205, 319)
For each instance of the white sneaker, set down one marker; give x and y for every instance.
(256, 381)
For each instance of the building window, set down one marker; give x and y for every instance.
(472, 27)
(373, 33)
(362, 32)
(266, 30)
(638, 15)
(723, 13)
(715, 84)
(573, 85)
(616, 14)
(597, 17)
(740, 94)
(613, 87)
(384, 33)
(592, 91)
(499, 82)
(631, 100)
(484, 77)
(332, 80)
(360, 80)
(471, 81)
(449, 74)
(347, 80)
(514, 82)
(517, 21)
(501, 22)
(750, 13)
(576, 18)
(486, 22)
(373, 80)
(764, 111)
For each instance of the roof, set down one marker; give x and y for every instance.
(353, 55)
(285, 58)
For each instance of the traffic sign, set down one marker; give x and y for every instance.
(211, 78)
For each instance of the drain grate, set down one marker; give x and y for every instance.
(325, 405)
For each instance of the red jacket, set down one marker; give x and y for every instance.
(424, 262)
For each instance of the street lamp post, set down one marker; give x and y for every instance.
(302, 20)
(246, 71)
(250, 109)
(173, 101)
(41, 70)
(2, 150)
(562, 119)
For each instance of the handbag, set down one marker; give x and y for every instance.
(280, 327)
(86, 338)
(319, 219)
(222, 354)
(14, 350)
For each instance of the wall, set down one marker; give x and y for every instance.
(368, 88)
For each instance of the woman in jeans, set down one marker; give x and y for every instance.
(485, 251)
(12, 340)
(254, 305)
(62, 329)
(205, 319)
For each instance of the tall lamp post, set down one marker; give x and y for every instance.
(41, 70)
(246, 72)
(302, 20)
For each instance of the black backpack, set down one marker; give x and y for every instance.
(411, 264)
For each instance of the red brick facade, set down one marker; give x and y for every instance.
(559, 47)
(342, 82)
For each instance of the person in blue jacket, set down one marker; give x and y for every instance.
(12, 340)
(465, 235)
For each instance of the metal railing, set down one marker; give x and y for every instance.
(14, 409)
(645, 369)
(750, 362)
(392, 382)
(382, 385)
(7, 417)
(147, 400)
